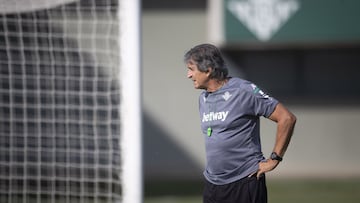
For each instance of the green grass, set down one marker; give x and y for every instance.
(279, 191)
(311, 191)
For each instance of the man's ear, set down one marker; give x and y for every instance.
(209, 71)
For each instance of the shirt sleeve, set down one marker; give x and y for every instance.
(259, 102)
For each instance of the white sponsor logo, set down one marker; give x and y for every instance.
(214, 116)
(263, 17)
(258, 90)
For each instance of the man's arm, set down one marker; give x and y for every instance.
(285, 126)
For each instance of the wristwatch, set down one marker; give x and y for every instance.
(275, 156)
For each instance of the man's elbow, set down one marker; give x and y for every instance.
(291, 119)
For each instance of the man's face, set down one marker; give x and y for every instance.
(199, 78)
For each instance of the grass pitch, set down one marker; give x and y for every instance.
(279, 191)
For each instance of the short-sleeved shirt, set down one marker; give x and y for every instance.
(230, 123)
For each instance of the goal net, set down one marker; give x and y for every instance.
(59, 101)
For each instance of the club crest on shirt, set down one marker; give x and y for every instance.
(226, 95)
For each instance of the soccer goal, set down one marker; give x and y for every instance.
(70, 119)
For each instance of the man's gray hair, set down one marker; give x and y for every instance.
(207, 56)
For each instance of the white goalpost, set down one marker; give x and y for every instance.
(70, 101)
(130, 61)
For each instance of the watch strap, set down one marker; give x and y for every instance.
(275, 156)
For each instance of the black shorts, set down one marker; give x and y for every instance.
(246, 190)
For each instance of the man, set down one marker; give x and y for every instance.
(230, 109)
